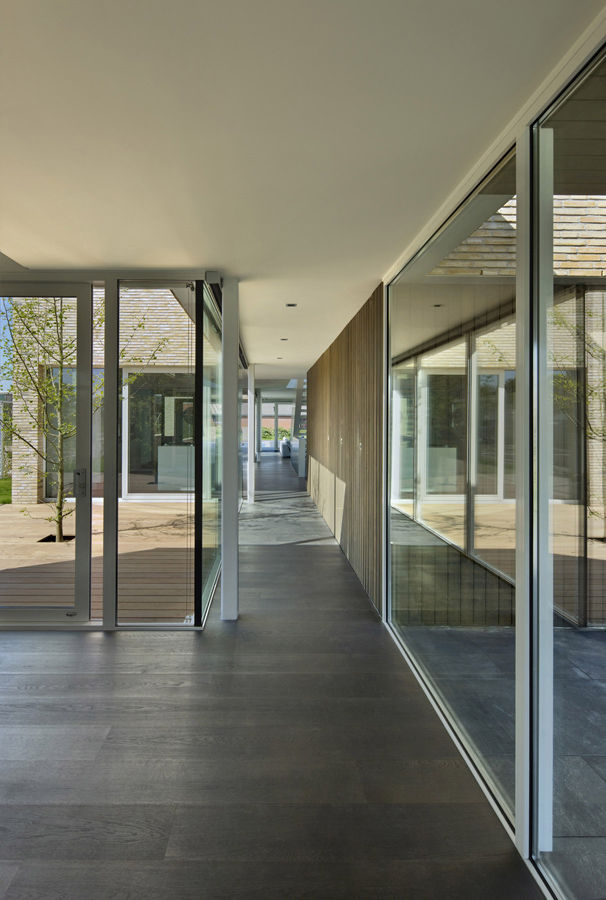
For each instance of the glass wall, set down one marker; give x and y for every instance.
(571, 803)
(452, 471)
(455, 477)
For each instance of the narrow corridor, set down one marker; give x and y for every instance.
(288, 755)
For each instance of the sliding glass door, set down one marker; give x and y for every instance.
(110, 452)
(45, 453)
(169, 480)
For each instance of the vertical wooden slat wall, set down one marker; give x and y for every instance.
(344, 425)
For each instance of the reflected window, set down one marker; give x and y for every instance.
(452, 471)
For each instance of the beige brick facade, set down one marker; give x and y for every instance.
(579, 238)
(155, 330)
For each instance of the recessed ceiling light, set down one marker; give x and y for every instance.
(283, 339)
(291, 304)
(437, 305)
(279, 357)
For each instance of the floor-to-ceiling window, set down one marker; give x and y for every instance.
(570, 830)
(497, 458)
(78, 360)
(452, 470)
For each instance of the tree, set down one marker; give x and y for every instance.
(267, 434)
(38, 356)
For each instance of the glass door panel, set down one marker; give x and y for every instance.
(157, 337)
(45, 446)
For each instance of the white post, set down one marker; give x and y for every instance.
(252, 441)
(110, 431)
(543, 647)
(229, 453)
(524, 480)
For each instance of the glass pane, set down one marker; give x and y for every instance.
(160, 431)
(156, 508)
(38, 359)
(452, 350)
(211, 452)
(574, 438)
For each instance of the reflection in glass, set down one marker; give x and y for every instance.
(443, 451)
(403, 411)
(452, 471)
(494, 512)
(488, 422)
(573, 562)
(160, 431)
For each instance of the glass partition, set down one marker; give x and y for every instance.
(452, 471)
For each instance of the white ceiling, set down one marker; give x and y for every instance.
(297, 145)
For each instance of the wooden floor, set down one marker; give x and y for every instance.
(289, 755)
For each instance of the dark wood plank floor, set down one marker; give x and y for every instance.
(289, 755)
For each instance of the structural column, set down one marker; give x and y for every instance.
(111, 405)
(229, 452)
(252, 445)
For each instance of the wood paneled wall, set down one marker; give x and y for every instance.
(344, 440)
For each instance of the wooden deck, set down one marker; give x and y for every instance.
(155, 560)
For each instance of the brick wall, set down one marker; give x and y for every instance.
(155, 330)
(579, 235)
